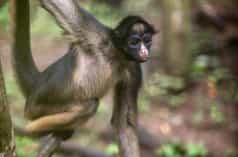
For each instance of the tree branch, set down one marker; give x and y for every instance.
(69, 147)
(7, 143)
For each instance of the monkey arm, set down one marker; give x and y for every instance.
(128, 92)
(136, 81)
(78, 24)
(124, 118)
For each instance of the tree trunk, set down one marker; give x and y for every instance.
(175, 29)
(7, 143)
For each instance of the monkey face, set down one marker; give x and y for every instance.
(133, 36)
(138, 46)
(139, 41)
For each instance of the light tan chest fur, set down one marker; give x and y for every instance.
(94, 76)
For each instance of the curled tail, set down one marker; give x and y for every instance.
(24, 65)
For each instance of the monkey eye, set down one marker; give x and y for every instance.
(134, 41)
(147, 38)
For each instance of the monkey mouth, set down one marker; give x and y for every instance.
(143, 59)
(143, 56)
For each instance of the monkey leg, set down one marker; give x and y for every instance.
(38, 110)
(76, 115)
(34, 109)
(37, 104)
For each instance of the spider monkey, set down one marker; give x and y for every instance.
(67, 93)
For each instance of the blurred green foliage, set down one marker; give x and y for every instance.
(204, 66)
(104, 13)
(160, 85)
(141, 7)
(195, 150)
(4, 18)
(178, 149)
(11, 87)
(112, 149)
(43, 24)
(144, 102)
(231, 153)
(198, 39)
(25, 147)
(199, 66)
(216, 114)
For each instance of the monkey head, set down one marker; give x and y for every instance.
(133, 36)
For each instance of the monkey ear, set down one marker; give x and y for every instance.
(75, 21)
(117, 33)
(156, 31)
(153, 30)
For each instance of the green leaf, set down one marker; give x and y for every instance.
(195, 150)
(112, 149)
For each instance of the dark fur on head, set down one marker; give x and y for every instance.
(124, 26)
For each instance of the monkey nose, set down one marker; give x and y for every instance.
(144, 53)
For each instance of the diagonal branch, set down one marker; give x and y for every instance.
(69, 148)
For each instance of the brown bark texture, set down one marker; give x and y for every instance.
(7, 143)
